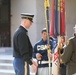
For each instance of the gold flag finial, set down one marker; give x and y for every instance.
(46, 3)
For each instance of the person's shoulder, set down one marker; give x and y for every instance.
(71, 38)
(51, 38)
(38, 42)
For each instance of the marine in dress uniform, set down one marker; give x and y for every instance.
(22, 48)
(69, 55)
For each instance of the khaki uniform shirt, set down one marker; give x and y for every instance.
(69, 56)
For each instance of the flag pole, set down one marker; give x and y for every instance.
(46, 5)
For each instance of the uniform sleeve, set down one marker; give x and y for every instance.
(67, 53)
(35, 51)
(24, 47)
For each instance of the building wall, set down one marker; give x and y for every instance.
(70, 17)
(23, 6)
(37, 8)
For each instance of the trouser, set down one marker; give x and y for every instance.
(63, 70)
(20, 67)
(44, 71)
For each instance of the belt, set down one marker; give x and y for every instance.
(43, 62)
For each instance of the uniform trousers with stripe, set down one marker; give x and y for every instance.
(21, 67)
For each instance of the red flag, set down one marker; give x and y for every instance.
(52, 18)
(62, 17)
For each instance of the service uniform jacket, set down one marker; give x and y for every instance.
(22, 46)
(69, 56)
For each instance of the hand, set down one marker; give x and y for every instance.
(50, 56)
(35, 63)
(38, 56)
(34, 66)
(48, 46)
(61, 61)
